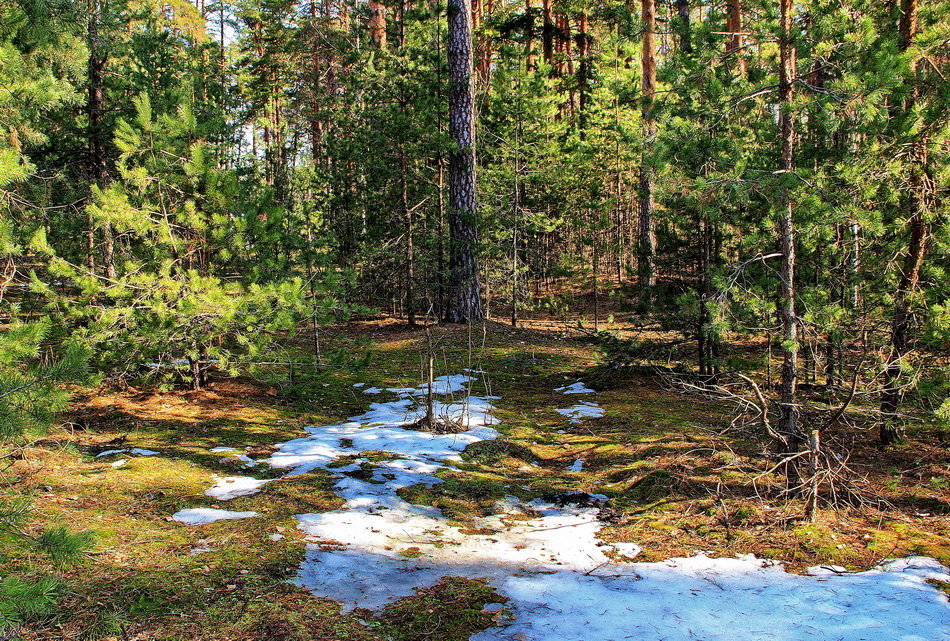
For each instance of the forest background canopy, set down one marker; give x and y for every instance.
(216, 203)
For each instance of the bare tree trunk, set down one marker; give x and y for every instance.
(410, 245)
(486, 52)
(891, 429)
(547, 34)
(707, 338)
(96, 136)
(736, 38)
(788, 427)
(646, 253)
(377, 24)
(465, 297)
(682, 11)
(531, 59)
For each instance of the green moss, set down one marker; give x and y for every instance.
(453, 610)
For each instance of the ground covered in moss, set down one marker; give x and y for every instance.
(680, 477)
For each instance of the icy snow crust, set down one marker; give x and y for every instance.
(585, 409)
(204, 515)
(563, 582)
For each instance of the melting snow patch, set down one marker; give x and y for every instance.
(574, 388)
(562, 580)
(134, 450)
(358, 385)
(119, 463)
(372, 390)
(228, 487)
(108, 452)
(725, 599)
(222, 448)
(203, 515)
(585, 409)
(576, 466)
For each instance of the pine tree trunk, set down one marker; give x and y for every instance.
(682, 11)
(547, 34)
(377, 24)
(646, 249)
(96, 135)
(465, 298)
(736, 39)
(788, 424)
(891, 430)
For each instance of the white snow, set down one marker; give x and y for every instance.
(108, 452)
(276, 536)
(204, 515)
(563, 581)
(222, 448)
(574, 388)
(449, 384)
(380, 429)
(726, 599)
(358, 385)
(134, 450)
(584, 409)
(119, 463)
(576, 466)
(403, 391)
(228, 487)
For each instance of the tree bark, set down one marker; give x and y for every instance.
(98, 166)
(682, 11)
(547, 34)
(646, 251)
(736, 39)
(377, 24)
(902, 320)
(789, 429)
(465, 302)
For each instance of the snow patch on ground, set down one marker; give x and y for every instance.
(108, 452)
(574, 388)
(134, 450)
(229, 487)
(204, 515)
(584, 409)
(726, 599)
(576, 466)
(563, 581)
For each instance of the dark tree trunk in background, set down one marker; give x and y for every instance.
(791, 433)
(547, 34)
(98, 165)
(736, 39)
(377, 23)
(465, 303)
(902, 320)
(682, 11)
(646, 252)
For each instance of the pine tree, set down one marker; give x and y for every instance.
(465, 294)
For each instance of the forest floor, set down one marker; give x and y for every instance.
(679, 478)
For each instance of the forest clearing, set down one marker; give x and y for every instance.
(662, 477)
(488, 320)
